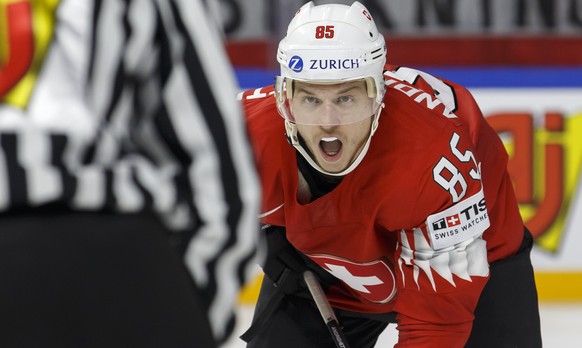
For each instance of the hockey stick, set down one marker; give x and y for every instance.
(325, 310)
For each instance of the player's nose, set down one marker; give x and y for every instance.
(329, 115)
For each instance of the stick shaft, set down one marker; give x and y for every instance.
(325, 310)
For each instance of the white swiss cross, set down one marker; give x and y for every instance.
(372, 280)
(355, 282)
(453, 220)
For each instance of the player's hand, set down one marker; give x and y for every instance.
(285, 265)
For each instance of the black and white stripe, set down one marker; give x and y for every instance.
(159, 128)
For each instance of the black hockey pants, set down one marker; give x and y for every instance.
(94, 280)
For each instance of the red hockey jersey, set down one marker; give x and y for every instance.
(403, 230)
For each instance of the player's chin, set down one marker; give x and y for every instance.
(336, 166)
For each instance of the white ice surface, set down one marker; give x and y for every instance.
(561, 326)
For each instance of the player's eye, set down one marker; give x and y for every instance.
(345, 99)
(310, 100)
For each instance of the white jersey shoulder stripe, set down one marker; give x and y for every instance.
(262, 215)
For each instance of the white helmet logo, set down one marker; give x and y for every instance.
(296, 63)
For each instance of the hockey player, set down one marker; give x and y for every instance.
(389, 184)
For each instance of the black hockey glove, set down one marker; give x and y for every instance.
(285, 264)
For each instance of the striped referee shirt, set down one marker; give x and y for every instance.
(130, 106)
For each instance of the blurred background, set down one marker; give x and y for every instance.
(522, 60)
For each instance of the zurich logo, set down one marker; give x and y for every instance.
(296, 63)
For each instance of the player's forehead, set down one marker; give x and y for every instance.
(329, 88)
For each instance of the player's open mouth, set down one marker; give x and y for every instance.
(330, 148)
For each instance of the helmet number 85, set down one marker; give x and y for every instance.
(324, 31)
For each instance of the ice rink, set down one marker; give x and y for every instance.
(561, 326)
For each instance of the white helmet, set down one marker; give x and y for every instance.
(330, 44)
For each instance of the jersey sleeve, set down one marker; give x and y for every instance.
(441, 260)
(266, 135)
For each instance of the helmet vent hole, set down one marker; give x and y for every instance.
(371, 35)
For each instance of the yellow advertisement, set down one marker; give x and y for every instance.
(26, 28)
(545, 161)
(541, 129)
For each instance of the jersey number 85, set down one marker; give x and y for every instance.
(446, 174)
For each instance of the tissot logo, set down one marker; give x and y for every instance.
(465, 216)
(454, 220)
(439, 225)
(460, 222)
(448, 221)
